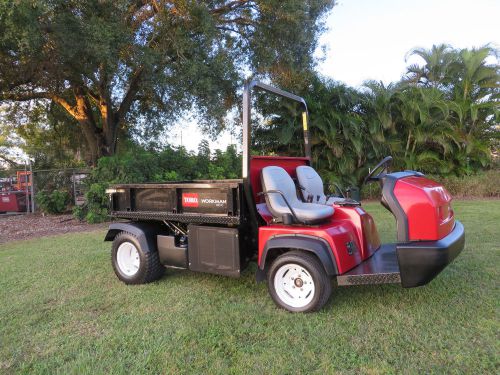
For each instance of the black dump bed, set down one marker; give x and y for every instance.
(199, 201)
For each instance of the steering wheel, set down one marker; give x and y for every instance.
(379, 171)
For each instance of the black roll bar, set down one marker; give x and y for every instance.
(247, 103)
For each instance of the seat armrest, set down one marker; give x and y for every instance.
(337, 188)
(294, 216)
(287, 219)
(348, 202)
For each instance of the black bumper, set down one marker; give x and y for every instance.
(420, 262)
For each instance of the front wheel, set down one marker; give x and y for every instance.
(297, 282)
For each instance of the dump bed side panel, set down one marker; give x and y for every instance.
(154, 199)
(197, 202)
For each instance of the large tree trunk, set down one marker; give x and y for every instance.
(100, 141)
(91, 140)
(101, 135)
(99, 131)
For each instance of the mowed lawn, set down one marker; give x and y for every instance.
(62, 310)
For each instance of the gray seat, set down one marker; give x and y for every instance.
(277, 179)
(312, 185)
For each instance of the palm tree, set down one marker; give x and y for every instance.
(379, 113)
(470, 88)
(339, 133)
(434, 71)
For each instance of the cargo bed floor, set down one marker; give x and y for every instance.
(381, 268)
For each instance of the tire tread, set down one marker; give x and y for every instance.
(313, 263)
(154, 269)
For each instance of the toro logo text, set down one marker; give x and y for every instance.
(190, 200)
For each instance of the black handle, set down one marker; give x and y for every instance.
(286, 202)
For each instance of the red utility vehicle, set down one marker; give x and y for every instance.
(278, 215)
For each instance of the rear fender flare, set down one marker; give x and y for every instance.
(144, 232)
(315, 245)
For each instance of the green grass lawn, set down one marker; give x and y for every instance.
(62, 310)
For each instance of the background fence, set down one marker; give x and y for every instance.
(26, 184)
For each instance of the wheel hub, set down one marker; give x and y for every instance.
(127, 259)
(294, 285)
(298, 282)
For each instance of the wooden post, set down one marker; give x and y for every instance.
(32, 177)
(27, 188)
(74, 186)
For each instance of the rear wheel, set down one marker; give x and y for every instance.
(133, 264)
(297, 282)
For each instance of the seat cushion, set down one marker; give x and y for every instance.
(276, 178)
(312, 213)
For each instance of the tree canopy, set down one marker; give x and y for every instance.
(117, 68)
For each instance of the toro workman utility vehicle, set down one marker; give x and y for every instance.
(279, 215)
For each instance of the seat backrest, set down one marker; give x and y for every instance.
(311, 184)
(257, 163)
(276, 178)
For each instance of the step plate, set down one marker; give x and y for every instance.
(381, 268)
(381, 278)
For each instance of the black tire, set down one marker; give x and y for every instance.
(150, 268)
(322, 283)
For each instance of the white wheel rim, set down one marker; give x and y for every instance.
(127, 258)
(294, 285)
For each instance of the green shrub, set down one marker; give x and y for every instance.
(371, 191)
(54, 202)
(79, 212)
(98, 215)
(96, 196)
(95, 209)
(481, 185)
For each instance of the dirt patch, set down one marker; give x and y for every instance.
(21, 227)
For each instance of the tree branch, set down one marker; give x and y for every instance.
(72, 110)
(238, 20)
(223, 28)
(130, 95)
(25, 96)
(96, 98)
(6, 159)
(229, 7)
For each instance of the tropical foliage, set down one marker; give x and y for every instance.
(441, 118)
